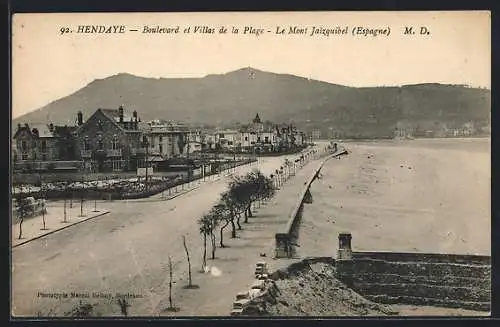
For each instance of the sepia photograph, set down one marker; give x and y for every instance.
(250, 164)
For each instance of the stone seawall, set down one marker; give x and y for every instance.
(456, 281)
(286, 239)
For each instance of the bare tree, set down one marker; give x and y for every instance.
(65, 213)
(170, 283)
(170, 301)
(43, 214)
(190, 280)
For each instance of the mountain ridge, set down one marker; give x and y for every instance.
(237, 95)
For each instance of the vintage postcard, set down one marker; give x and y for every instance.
(250, 164)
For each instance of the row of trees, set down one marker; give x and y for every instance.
(234, 204)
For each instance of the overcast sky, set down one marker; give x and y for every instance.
(48, 66)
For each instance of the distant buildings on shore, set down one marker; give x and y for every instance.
(115, 140)
(439, 130)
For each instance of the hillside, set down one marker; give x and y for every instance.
(238, 95)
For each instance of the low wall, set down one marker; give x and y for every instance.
(285, 239)
(446, 280)
(154, 187)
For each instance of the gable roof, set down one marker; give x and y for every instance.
(111, 114)
(43, 130)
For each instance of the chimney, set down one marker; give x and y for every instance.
(80, 118)
(18, 126)
(135, 115)
(120, 113)
(51, 127)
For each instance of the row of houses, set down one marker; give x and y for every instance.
(114, 140)
(439, 130)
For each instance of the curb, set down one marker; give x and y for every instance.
(59, 229)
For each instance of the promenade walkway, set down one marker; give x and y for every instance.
(32, 228)
(233, 269)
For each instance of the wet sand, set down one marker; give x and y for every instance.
(409, 196)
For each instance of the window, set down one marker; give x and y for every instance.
(258, 139)
(246, 138)
(44, 157)
(100, 144)
(161, 138)
(221, 136)
(86, 143)
(34, 155)
(161, 148)
(266, 139)
(24, 146)
(116, 165)
(230, 142)
(24, 156)
(44, 146)
(114, 143)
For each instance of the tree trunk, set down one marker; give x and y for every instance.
(246, 217)
(222, 234)
(212, 235)
(188, 260)
(43, 217)
(233, 228)
(21, 228)
(64, 209)
(250, 210)
(204, 252)
(238, 221)
(170, 282)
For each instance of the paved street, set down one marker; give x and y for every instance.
(127, 251)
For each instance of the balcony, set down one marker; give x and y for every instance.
(86, 153)
(114, 153)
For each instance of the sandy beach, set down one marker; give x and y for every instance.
(426, 195)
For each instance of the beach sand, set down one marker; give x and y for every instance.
(409, 196)
(401, 196)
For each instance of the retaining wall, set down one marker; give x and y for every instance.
(446, 280)
(285, 239)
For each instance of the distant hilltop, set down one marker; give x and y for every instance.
(282, 98)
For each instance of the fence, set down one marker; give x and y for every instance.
(118, 187)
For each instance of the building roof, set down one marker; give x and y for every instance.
(114, 116)
(43, 130)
